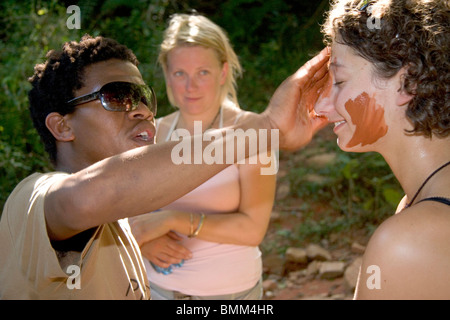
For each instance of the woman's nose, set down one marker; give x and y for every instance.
(191, 83)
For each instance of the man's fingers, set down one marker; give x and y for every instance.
(315, 68)
(316, 90)
(320, 67)
(318, 122)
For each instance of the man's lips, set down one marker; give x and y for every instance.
(144, 134)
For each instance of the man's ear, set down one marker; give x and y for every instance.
(58, 125)
(403, 97)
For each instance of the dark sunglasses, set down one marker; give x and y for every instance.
(120, 96)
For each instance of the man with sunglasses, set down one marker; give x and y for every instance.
(63, 233)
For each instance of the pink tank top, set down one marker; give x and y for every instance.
(215, 268)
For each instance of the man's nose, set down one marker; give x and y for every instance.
(142, 112)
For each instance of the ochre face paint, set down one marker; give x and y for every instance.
(368, 118)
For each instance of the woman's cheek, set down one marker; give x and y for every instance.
(368, 118)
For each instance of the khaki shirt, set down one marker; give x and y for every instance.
(109, 267)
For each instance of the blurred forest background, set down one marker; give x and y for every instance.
(272, 38)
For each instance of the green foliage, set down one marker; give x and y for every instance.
(28, 32)
(272, 39)
(358, 190)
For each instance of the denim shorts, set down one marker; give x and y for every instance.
(254, 293)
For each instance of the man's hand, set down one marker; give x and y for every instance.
(291, 108)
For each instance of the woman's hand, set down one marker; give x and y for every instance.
(165, 250)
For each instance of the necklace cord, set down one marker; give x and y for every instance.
(425, 182)
(210, 125)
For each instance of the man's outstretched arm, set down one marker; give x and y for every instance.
(145, 179)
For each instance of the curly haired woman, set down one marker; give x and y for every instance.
(388, 92)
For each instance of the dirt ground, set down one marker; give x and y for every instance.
(298, 284)
(286, 216)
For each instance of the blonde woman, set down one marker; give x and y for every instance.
(229, 213)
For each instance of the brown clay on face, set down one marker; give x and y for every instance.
(368, 118)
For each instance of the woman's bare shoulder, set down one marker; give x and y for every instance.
(408, 256)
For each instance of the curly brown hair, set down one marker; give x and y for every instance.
(411, 33)
(55, 81)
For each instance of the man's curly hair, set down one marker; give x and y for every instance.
(55, 81)
(414, 34)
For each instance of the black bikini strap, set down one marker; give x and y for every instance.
(438, 199)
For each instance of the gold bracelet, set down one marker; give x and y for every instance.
(200, 225)
(191, 230)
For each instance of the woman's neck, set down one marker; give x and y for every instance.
(413, 162)
(209, 119)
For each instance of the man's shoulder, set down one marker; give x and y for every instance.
(29, 190)
(35, 181)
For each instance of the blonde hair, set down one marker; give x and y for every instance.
(197, 30)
